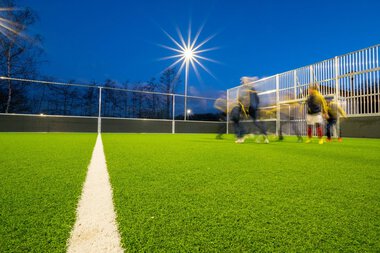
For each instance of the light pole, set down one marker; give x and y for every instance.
(189, 55)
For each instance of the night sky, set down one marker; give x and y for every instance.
(90, 40)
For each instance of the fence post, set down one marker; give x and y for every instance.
(295, 83)
(337, 91)
(227, 112)
(311, 75)
(185, 107)
(295, 111)
(100, 111)
(173, 115)
(278, 115)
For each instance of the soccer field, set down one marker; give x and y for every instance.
(41, 178)
(195, 193)
(189, 192)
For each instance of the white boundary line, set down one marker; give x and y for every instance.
(95, 229)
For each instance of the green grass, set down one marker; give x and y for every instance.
(41, 178)
(194, 193)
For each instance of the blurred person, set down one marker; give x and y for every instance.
(235, 116)
(221, 105)
(250, 102)
(316, 112)
(334, 111)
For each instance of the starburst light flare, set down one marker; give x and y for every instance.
(8, 27)
(188, 53)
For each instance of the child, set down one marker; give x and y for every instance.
(316, 111)
(334, 110)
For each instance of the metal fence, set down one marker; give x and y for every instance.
(49, 98)
(352, 79)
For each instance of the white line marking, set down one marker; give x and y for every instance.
(95, 229)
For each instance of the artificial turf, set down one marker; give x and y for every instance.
(188, 193)
(41, 178)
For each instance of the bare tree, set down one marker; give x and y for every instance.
(125, 98)
(168, 83)
(151, 99)
(65, 98)
(18, 53)
(111, 99)
(137, 100)
(90, 97)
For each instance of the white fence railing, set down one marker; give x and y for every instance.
(352, 79)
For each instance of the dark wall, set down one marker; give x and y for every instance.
(135, 126)
(158, 126)
(36, 123)
(198, 127)
(364, 127)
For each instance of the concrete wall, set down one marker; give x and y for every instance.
(36, 123)
(198, 127)
(110, 125)
(364, 127)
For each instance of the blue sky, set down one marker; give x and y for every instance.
(94, 40)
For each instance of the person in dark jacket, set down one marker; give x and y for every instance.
(316, 111)
(250, 102)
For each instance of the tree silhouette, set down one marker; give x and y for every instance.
(19, 53)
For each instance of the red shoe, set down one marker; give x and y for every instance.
(340, 139)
